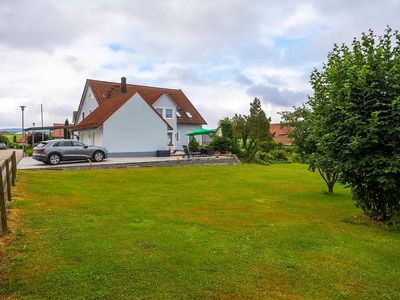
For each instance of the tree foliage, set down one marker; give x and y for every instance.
(226, 127)
(356, 106)
(3, 139)
(257, 122)
(306, 137)
(67, 134)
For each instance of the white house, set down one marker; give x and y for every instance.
(134, 120)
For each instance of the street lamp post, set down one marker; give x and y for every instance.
(33, 135)
(23, 130)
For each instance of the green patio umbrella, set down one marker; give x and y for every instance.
(201, 131)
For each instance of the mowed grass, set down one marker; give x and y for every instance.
(243, 231)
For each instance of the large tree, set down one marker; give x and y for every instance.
(67, 134)
(306, 136)
(257, 122)
(356, 105)
(240, 127)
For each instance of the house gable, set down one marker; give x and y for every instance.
(163, 105)
(135, 127)
(87, 105)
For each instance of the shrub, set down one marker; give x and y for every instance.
(267, 146)
(4, 139)
(193, 144)
(221, 144)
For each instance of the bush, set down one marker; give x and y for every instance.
(267, 146)
(4, 139)
(221, 144)
(235, 147)
(279, 155)
(193, 144)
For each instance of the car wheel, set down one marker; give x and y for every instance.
(54, 159)
(98, 156)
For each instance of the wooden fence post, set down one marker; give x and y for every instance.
(3, 212)
(8, 178)
(14, 167)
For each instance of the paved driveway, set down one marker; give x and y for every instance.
(4, 154)
(126, 162)
(30, 163)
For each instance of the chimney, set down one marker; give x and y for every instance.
(123, 84)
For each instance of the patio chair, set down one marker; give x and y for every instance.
(189, 153)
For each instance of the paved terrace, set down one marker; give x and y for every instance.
(127, 162)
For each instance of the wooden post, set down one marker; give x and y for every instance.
(3, 212)
(14, 167)
(8, 178)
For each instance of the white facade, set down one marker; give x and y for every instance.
(182, 130)
(135, 127)
(89, 104)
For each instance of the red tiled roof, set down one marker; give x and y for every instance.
(280, 133)
(104, 90)
(106, 109)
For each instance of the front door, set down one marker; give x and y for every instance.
(171, 139)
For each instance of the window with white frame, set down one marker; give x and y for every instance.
(178, 114)
(169, 113)
(189, 114)
(177, 136)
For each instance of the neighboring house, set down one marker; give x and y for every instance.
(58, 133)
(134, 120)
(280, 134)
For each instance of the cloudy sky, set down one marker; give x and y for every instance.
(221, 53)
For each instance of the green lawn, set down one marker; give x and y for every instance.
(243, 231)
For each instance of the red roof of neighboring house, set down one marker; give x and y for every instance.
(104, 91)
(105, 110)
(280, 133)
(58, 133)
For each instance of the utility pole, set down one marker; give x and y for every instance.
(23, 130)
(33, 135)
(41, 116)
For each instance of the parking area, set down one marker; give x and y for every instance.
(30, 163)
(4, 154)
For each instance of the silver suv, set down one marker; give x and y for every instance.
(54, 151)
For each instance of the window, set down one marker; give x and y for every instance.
(177, 136)
(62, 144)
(178, 114)
(83, 116)
(159, 110)
(78, 144)
(189, 114)
(169, 113)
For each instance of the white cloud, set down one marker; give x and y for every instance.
(221, 52)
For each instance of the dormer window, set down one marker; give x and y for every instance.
(169, 113)
(178, 114)
(189, 114)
